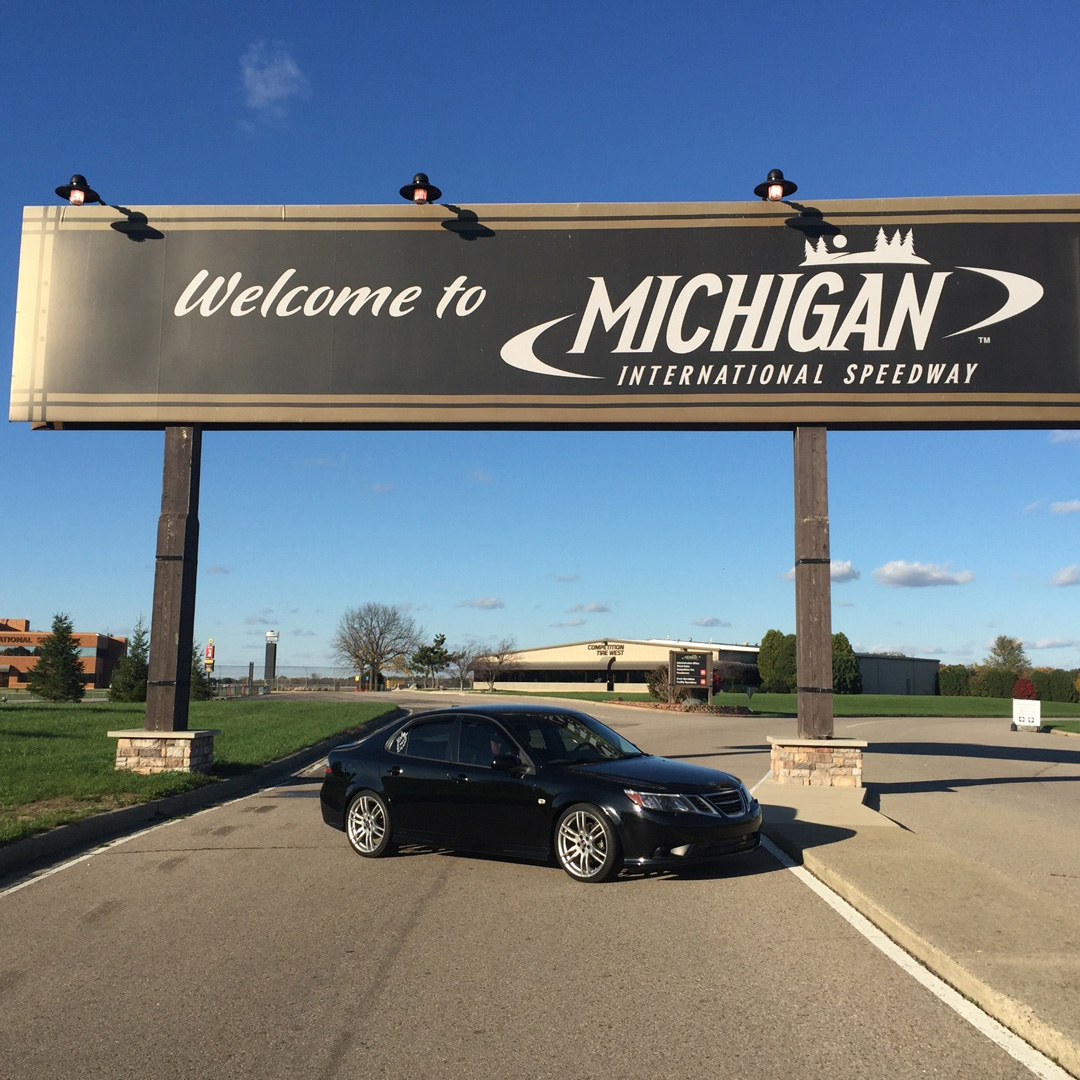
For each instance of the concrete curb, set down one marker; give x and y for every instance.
(1013, 1014)
(23, 857)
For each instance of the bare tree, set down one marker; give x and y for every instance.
(373, 636)
(462, 660)
(493, 663)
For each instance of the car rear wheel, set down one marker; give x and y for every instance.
(586, 845)
(367, 825)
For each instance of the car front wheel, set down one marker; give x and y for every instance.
(367, 825)
(586, 845)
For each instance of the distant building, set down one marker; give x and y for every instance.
(898, 674)
(18, 654)
(627, 663)
(581, 665)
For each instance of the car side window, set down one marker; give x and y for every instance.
(430, 741)
(480, 742)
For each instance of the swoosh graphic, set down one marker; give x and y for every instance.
(1024, 292)
(518, 352)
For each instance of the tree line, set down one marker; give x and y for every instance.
(1006, 672)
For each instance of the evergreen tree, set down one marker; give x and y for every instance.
(58, 675)
(847, 678)
(787, 666)
(768, 654)
(202, 689)
(129, 677)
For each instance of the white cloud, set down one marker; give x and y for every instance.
(1051, 643)
(272, 78)
(483, 603)
(1071, 507)
(570, 622)
(839, 571)
(217, 570)
(710, 620)
(1064, 436)
(566, 577)
(900, 574)
(1067, 575)
(1038, 504)
(382, 489)
(593, 608)
(481, 476)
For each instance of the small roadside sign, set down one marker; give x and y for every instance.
(1027, 715)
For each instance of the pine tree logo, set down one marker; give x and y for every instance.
(898, 248)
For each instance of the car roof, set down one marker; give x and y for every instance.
(493, 709)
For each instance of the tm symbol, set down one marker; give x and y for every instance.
(984, 340)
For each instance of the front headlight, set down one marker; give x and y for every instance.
(649, 800)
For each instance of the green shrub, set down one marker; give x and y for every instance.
(992, 682)
(954, 680)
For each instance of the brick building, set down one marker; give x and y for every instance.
(18, 654)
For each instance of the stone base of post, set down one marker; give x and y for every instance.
(818, 762)
(146, 752)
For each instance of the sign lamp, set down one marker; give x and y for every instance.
(775, 187)
(77, 191)
(421, 191)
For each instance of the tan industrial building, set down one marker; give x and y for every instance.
(99, 653)
(626, 663)
(623, 663)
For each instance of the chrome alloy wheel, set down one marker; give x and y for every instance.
(367, 824)
(586, 845)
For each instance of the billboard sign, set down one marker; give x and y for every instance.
(952, 312)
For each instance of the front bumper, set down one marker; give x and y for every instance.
(655, 840)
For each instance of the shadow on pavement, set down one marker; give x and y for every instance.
(1044, 752)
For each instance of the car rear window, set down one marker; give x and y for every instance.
(430, 740)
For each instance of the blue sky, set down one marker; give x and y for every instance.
(942, 540)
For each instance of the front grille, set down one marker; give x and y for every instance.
(727, 801)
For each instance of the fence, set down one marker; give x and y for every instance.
(237, 681)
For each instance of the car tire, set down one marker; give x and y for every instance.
(586, 846)
(368, 826)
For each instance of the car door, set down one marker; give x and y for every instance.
(416, 780)
(497, 808)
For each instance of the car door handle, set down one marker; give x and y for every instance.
(461, 778)
(396, 770)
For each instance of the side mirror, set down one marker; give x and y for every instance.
(508, 763)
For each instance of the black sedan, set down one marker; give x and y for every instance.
(533, 781)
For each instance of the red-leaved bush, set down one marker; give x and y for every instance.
(1025, 690)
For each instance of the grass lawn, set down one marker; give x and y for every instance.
(847, 705)
(56, 762)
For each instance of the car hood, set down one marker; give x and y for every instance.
(659, 774)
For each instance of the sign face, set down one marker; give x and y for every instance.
(1026, 714)
(952, 312)
(690, 669)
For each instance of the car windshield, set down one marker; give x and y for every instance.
(568, 738)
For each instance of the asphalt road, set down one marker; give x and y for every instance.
(248, 941)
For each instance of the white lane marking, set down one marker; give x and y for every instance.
(1038, 1064)
(121, 840)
